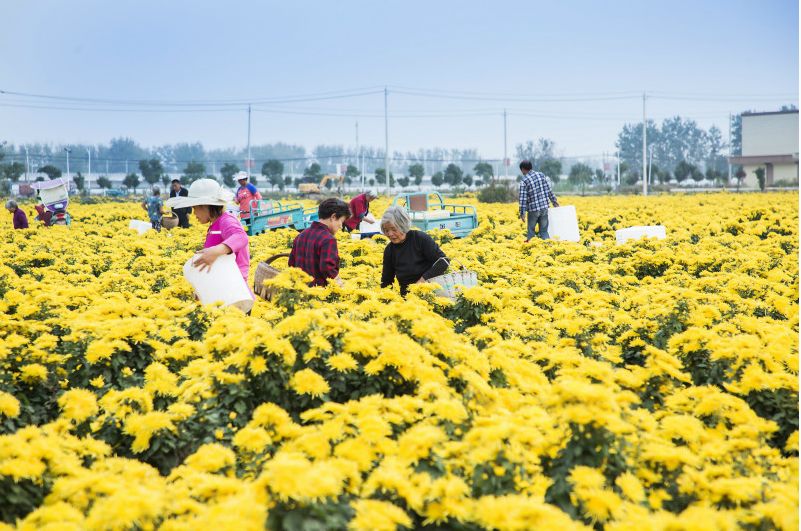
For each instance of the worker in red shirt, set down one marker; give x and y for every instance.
(245, 194)
(315, 249)
(360, 210)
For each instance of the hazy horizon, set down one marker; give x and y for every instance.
(571, 72)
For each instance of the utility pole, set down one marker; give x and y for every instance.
(358, 150)
(248, 161)
(68, 150)
(729, 181)
(505, 160)
(386, 142)
(644, 141)
(27, 165)
(89, 174)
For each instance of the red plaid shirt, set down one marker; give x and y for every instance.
(315, 251)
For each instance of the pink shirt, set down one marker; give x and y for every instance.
(244, 195)
(228, 230)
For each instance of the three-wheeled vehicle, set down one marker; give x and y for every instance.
(267, 215)
(429, 211)
(54, 195)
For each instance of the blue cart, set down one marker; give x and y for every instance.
(429, 211)
(268, 215)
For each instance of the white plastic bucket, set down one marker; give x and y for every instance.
(635, 233)
(563, 223)
(369, 228)
(140, 226)
(222, 283)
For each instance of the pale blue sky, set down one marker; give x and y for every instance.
(742, 54)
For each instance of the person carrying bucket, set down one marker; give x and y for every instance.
(360, 210)
(535, 192)
(225, 234)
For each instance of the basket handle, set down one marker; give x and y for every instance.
(276, 257)
(457, 262)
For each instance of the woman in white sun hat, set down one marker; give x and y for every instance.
(225, 234)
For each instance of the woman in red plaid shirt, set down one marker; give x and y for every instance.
(315, 249)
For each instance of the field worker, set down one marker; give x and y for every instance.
(225, 234)
(44, 215)
(176, 190)
(154, 205)
(411, 255)
(360, 210)
(245, 194)
(315, 249)
(19, 218)
(535, 192)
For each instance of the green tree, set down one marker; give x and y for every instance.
(103, 182)
(193, 171)
(287, 180)
(682, 171)
(131, 181)
(536, 152)
(484, 171)
(714, 175)
(416, 171)
(381, 176)
(274, 170)
(352, 172)
(468, 180)
(453, 175)
(760, 175)
(580, 175)
(437, 179)
(79, 181)
(312, 174)
(740, 175)
(13, 171)
(51, 171)
(552, 168)
(228, 171)
(403, 181)
(151, 170)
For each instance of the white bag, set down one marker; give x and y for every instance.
(635, 233)
(140, 226)
(563, 223)
(222, 283)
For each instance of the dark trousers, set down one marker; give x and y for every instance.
(183, 217)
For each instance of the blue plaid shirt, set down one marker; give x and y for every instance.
(535, 192)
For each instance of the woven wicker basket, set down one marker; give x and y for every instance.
(451, 283)
(264, 271)
(169, 221)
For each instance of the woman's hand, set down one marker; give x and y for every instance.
(209, 256)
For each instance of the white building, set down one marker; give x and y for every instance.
(769, 141)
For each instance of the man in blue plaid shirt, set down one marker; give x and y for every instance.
(535, 192)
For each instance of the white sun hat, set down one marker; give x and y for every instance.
(241, 175)
(203, 192)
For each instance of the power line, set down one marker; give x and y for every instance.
(331, 95)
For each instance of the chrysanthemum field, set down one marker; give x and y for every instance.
(651, 385)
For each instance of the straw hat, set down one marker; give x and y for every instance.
(202, 192)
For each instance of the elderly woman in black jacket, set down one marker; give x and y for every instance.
(411, 255)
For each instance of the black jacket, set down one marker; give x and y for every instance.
(418, 256)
